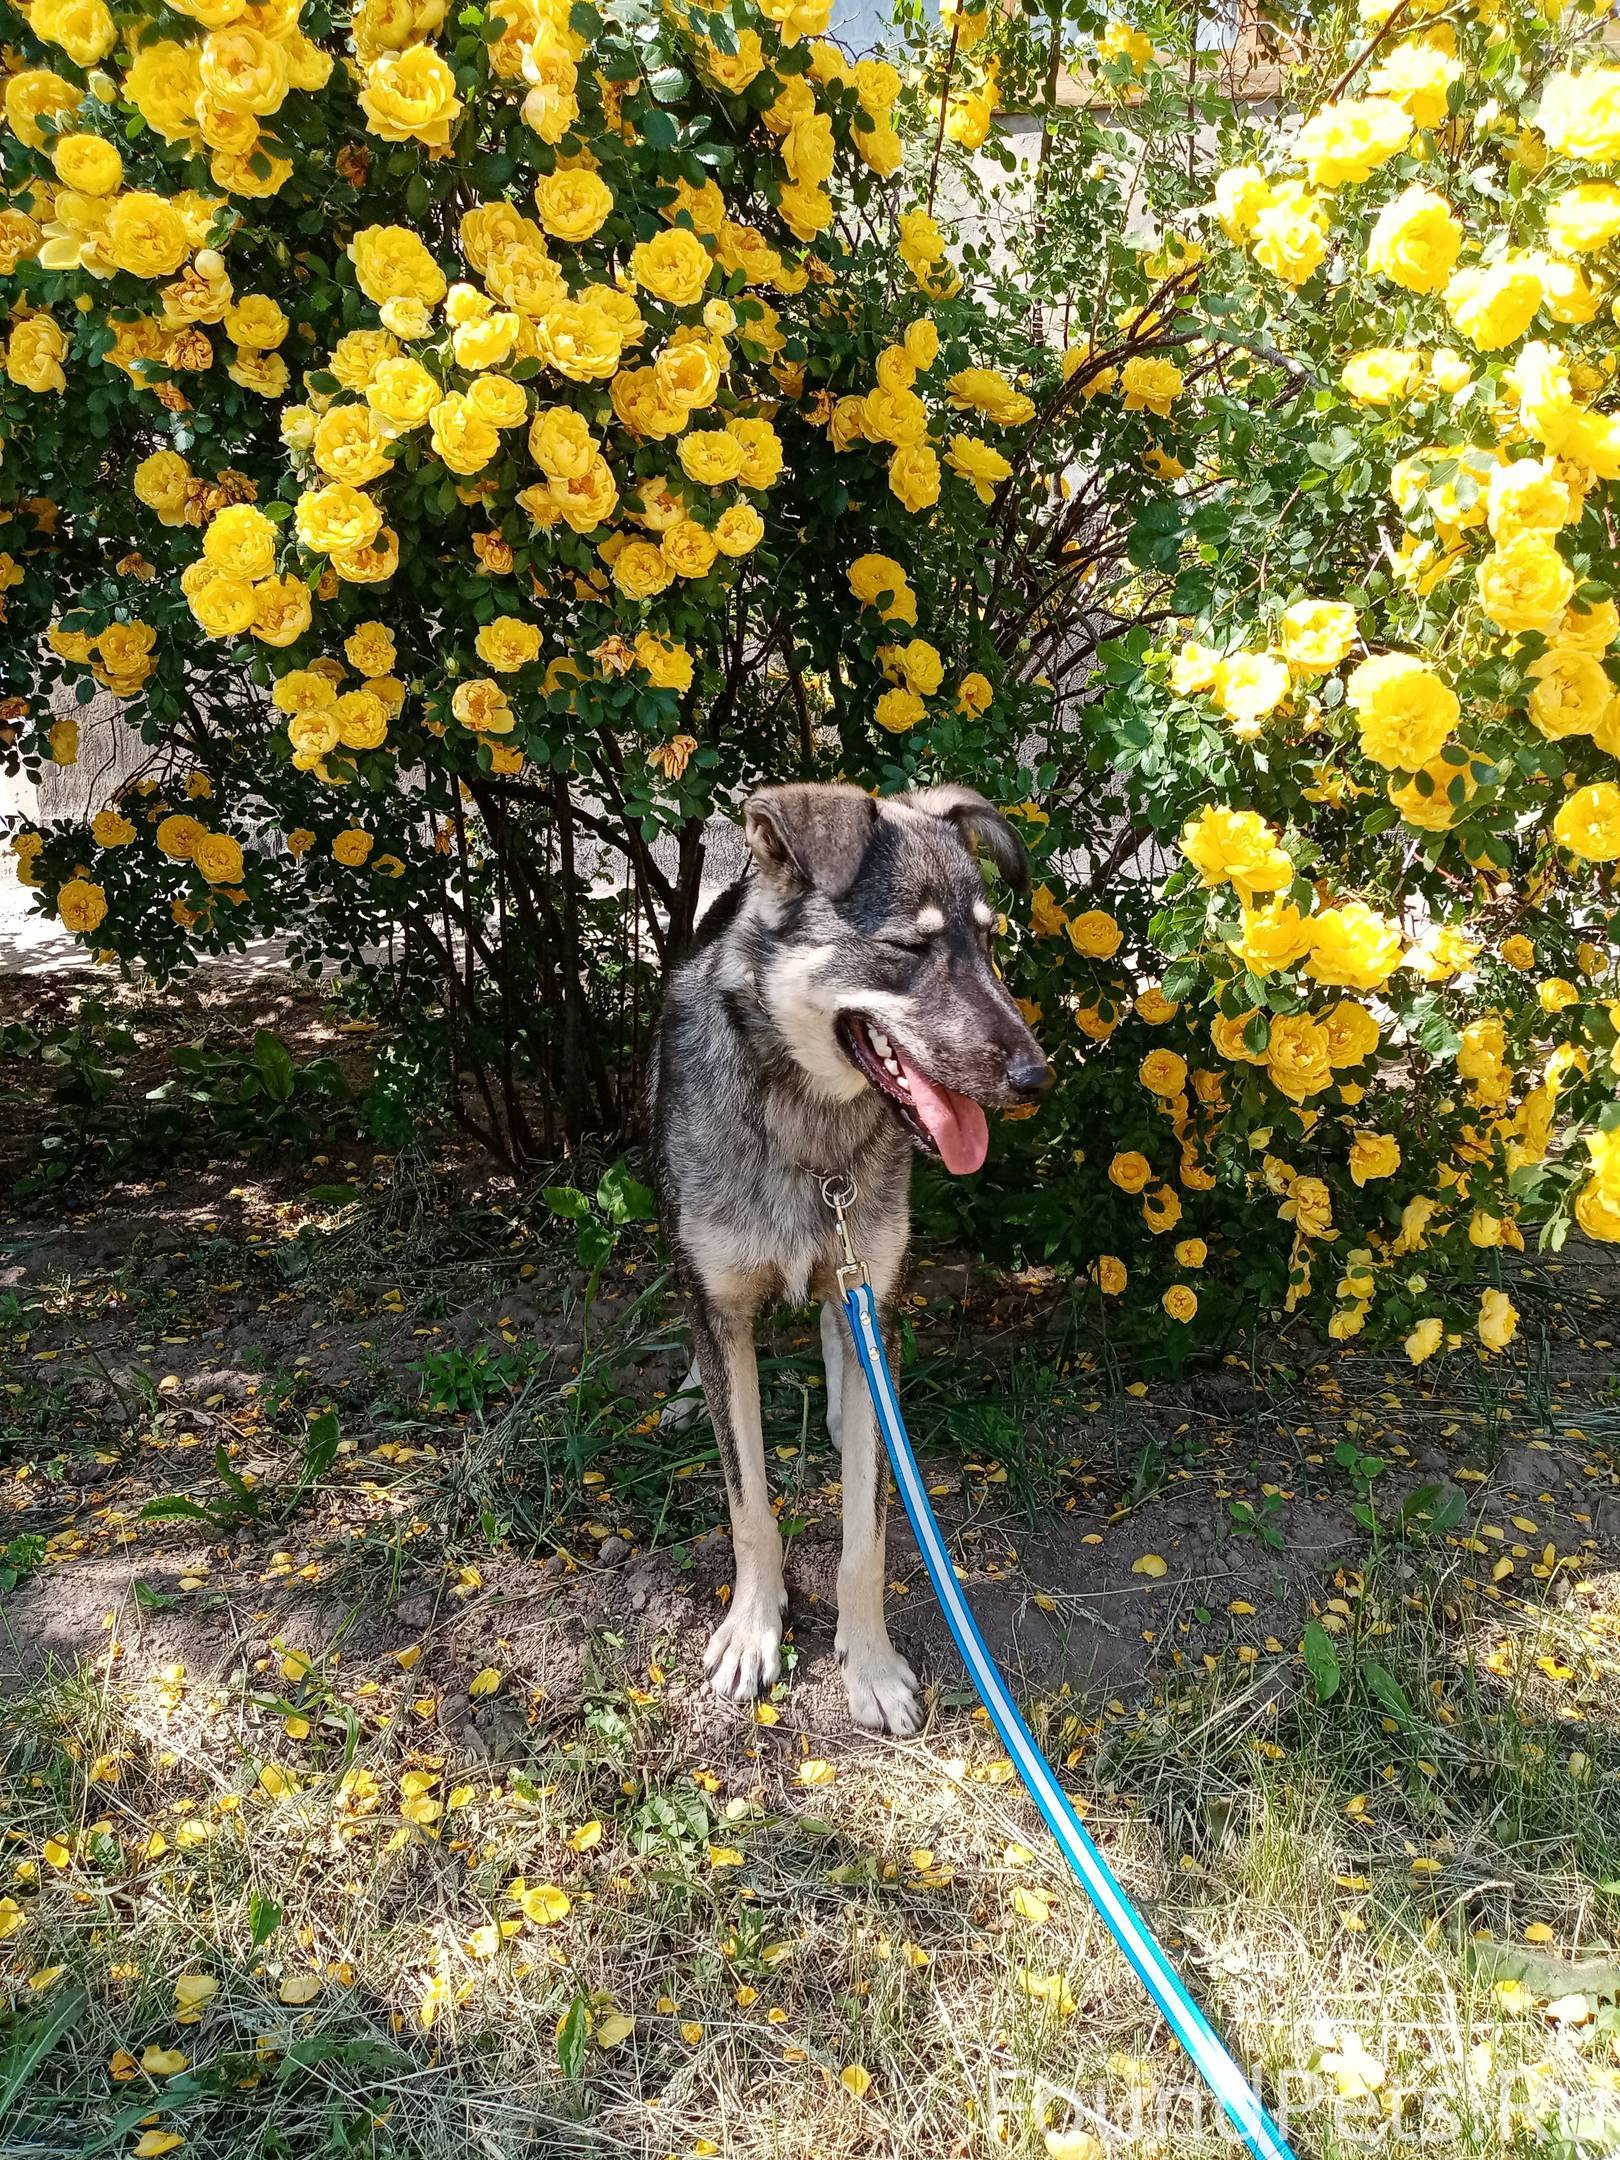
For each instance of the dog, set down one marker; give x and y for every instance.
(839, 1010)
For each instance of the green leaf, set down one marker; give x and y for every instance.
(623, 1198)
(573, 2036)
(275, 1066)
(264, 1917)
(1321, 1661)
(567, 1201)
(1387, 1689)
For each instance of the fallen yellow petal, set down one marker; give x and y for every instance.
(1150, 1564)
(485, 1682)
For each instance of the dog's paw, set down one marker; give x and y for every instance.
(883, 1693)
(744, 1656)
(680, 1413)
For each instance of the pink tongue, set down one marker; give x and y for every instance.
(957, 1123)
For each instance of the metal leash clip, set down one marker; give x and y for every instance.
(841, 1193)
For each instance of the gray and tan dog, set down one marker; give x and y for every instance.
(840, 1009)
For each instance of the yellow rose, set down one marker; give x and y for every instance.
(219, 858)
(1236, 847)
(762, 452)
(1163, 1073)
(1109, 1273)
(974, 695)
(1381, 374)
(1180, 1301)
(483, 706)
(351, 848)
(689, 548)
(1498, 1319)
(1095, 935)
(145, 235)
(1374, 1155)
(1530, 495)
(561, 443)
(241, 542)
(1425, 1339)
(1493, 304)
(878, 581)
(1418, 76)
(177, 836)
(580, 340)
(33, 95)
(1525, 584)
(640, 570)
(1248, 687)
(711, 456)
(1588, 822)
(1580, 115)
(499, 401)
(914, 476)
(1317, 634)
(1241, 193)
(84, 29)
(370, 647)
(1290, 238)
(402, 392)
(674, 266)
(1573, 694)
(81, 906)
(391, 263)
(34, 354)
(410, 96)
(87, 163)
(336, 518)
(351, 443)
(1583, 220)
(976, 462)
(1355, 947)
(1273, 938)
(489, 343)
(899, 709)
(668, 666)
(361, 719)
(359, 354)
(1130, 1171)
(223, 606)
(1437, 792)
(256, 320)
(282, 610)
(738, 530)
(573, 205)
(1297, 1056)
(242, 70)
(460, 439)
(1404, 711)
(1346, 142)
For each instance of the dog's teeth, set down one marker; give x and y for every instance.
(892, 1065)
(880, 1043)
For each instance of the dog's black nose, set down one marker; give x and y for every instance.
(1028, 1073)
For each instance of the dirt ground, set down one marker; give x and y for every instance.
(156, 1319)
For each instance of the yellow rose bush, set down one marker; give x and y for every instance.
(479, 444)
(1369, 757)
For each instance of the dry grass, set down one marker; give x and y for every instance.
(729, 1964)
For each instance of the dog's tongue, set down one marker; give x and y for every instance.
(957, 1123)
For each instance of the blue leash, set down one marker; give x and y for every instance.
(1245, 2110)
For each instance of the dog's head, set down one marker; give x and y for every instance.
(878, 969)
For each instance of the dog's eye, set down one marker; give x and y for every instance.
(905, 945)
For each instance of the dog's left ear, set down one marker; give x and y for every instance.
(981, 825)
(810, 833)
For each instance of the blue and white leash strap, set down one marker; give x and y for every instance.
(1244, 2109)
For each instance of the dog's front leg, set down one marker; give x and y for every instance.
(744, 1652)
(882, 1686)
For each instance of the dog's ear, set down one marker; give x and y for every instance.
(981, 825)
(810, 834)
